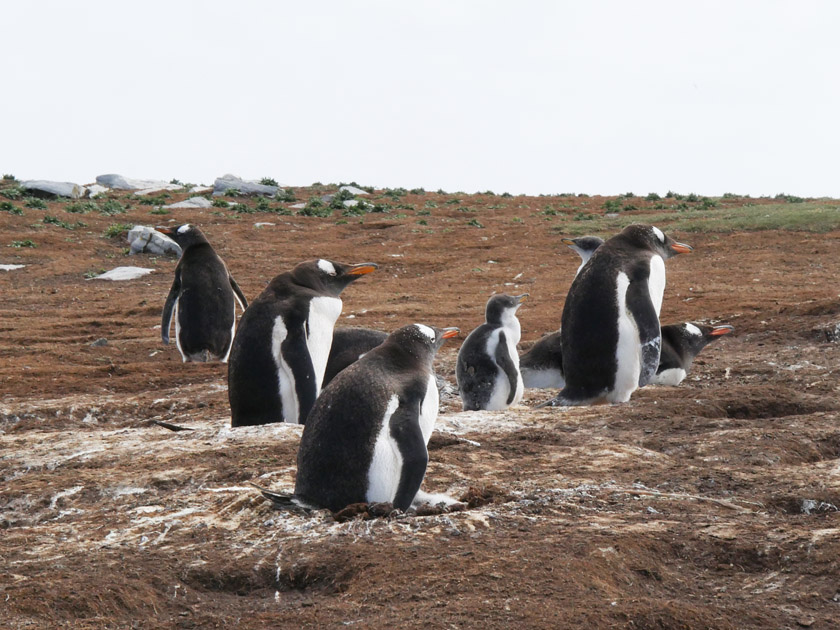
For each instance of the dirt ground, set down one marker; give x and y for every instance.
(708, 505)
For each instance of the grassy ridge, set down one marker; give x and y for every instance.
(816, 216)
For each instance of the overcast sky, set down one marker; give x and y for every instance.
(601, 97)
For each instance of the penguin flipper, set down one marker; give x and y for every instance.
(504, 361)
(279, 500)
(169, 306)
(406, 432)
(243, 301)
(296, 354)
(644, 314)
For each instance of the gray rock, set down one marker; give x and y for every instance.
(93, 190)
(192, 202)
(140, 186)
(142, 238)
(59, 189)
(354, 190)
(99, 343)
(349, 203)
(123, 273)
(298, 206)
(226, 182)
(11, 267)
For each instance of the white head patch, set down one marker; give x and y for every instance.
(691, 329)
(426, 331)
(658, 233)
(184, 228)
(327, 267)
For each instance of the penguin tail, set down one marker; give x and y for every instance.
(279, 500)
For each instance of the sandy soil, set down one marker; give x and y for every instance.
(709, 505)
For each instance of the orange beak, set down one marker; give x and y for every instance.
(567, 241)
(362, 268)
(450, 332)
(717, 331)
(682, 248)
(165, 230)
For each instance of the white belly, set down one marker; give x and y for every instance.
(543, 379)
(429, 409)
(501, 388)
(386, 465)
(628, 351)
(323, 313)
(656, 282)
(285, 377)
(671, 376)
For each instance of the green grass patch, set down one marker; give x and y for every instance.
(797, 217)
(8, 206)
(19, 244)
(117, 229)
(38, 204)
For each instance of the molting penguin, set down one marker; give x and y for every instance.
(680, 344)
(281, 347)
(348, 345)
(202, 297)
(366, 437)
(610, 325)
(585, 246)
(488, 362)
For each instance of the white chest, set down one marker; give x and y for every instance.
(386, 464)
(628, 349)
(323, 313)
(501, 390)
(656, 282)
(429, 409)
(285, 376)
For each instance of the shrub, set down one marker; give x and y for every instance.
(220, 203)
(612, 205)
(38, 204)
(81, 207)
(8, 206)
(13, 193)
(418, 191)
(117, 229)
(268, 181)
(27, 243)
(8, 177)
(112, 207)
(653, 197)
(709, 203)
(475, 223)
(315, 208)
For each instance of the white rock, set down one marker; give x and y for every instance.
(93, 190)
(298, 206)
(354, 190)
(200, 189)
(123, 273)
(11, 267)
(141, 186)
(60, 189)
(143, 238)
(192, 202)
(263, 224)
(349, 203)
(226, 182)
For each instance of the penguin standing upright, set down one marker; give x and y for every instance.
(585, 246)
(542, 365)
(488, 362)
(281, 347)
(610, 325)
(349, 343)
(365, 438)
(680, 344)
(202, 296)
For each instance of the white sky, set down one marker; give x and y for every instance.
(602, 97)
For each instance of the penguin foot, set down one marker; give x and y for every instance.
(551, 402)
(280, 500)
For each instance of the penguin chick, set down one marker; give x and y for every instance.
(488, 362)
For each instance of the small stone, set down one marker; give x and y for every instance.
(11, 267)
(227, 182)
(192, 202)
(354, 190)
(99, 343)
(123, 273)
(140, 186)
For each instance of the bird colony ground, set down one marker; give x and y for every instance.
(709, 505)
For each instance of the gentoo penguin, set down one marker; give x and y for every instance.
(283, 341)
(488, 362)
(680, 344)
(365, 438)
(585, 246)
(348, 345)
(202, 297)
(542, 366)
(610, 324)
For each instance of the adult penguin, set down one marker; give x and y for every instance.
(610, 331)
(202, 297)
(487, 368)
(365, 439)
(349, 343)
(281, 347)
(681, 343)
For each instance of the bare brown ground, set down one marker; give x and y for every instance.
(709, 505)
